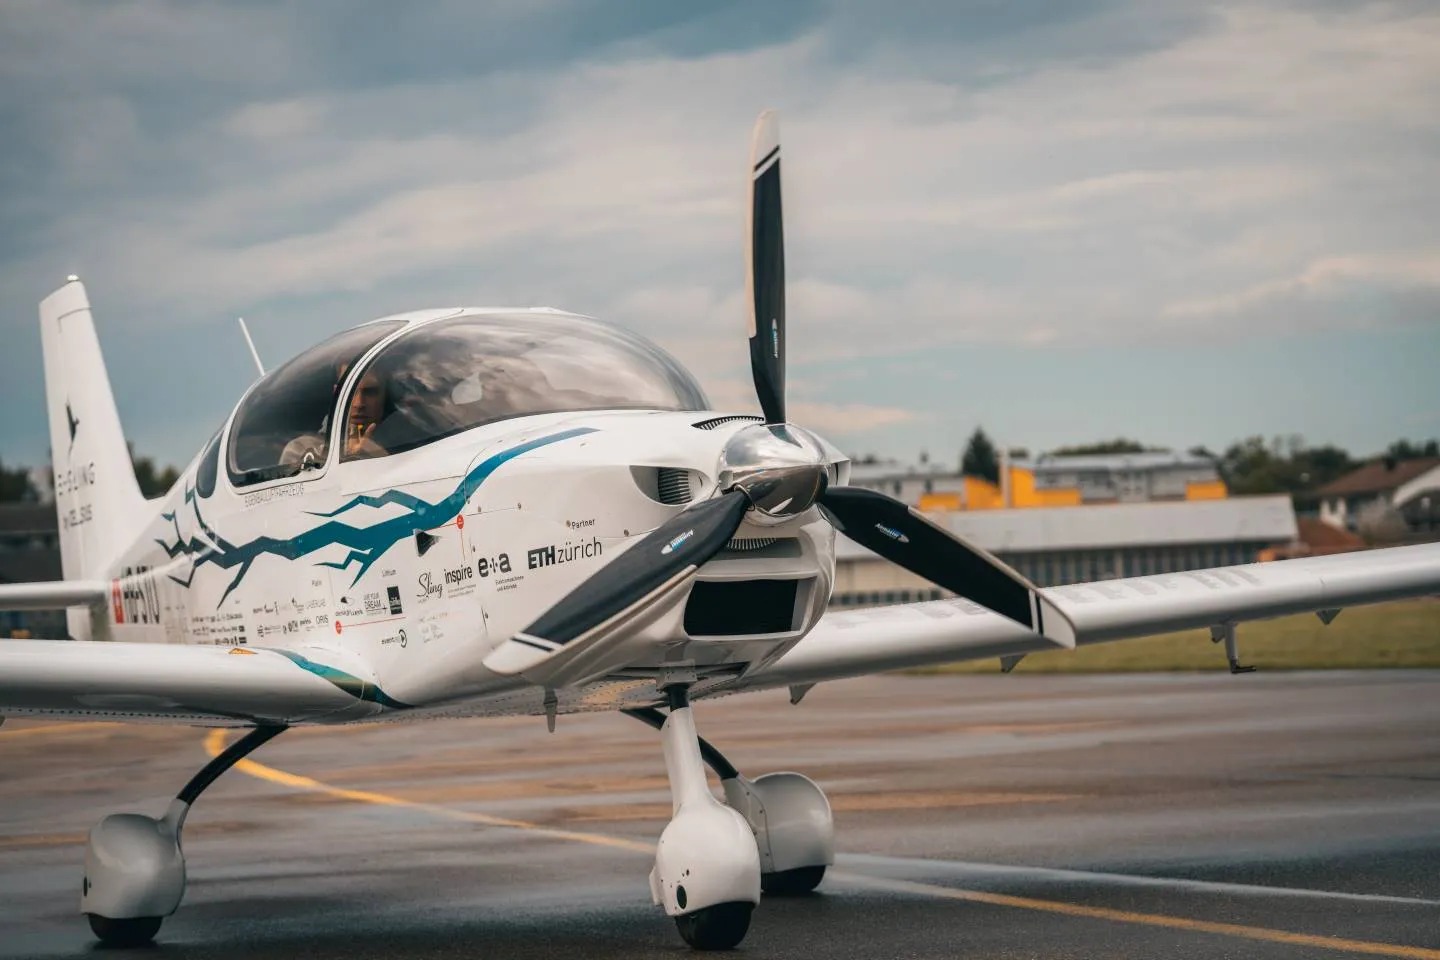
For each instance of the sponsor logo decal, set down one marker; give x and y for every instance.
(500, 564)
(892, 533)
(429, 587)
(373, 603)
(460, 581)
(392, 594)
(398, 638)
(677, 543)
(580, 524)
(567, 552)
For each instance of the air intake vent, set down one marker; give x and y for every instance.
(721, 421)
(750, 543)
(672, 485)
(739, 607)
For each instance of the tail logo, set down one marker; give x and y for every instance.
(72, 420)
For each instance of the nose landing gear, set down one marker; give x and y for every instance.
(777, 830)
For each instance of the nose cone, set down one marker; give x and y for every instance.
(781, 468)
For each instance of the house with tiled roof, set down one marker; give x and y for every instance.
(1407, 491)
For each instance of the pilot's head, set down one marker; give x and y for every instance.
(367, 403)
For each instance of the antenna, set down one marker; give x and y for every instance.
(251, 344)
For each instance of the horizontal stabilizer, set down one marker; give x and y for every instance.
(54, 595)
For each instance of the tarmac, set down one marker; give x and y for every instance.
(1275, 814)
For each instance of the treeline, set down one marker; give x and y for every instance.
(1252, 465)
(18, 484)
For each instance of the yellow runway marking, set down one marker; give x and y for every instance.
(54, 728)
(215, 744)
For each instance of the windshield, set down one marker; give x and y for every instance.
(283, 425)
(452, 375)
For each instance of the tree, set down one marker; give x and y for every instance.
(15, 484)
(1118, 445)
(980, 458)
(154, 482)
(1283, 466)
(1405, 450)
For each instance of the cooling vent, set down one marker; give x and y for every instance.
(750, 543)
(672, 485)
(760, 548)
(721, 421)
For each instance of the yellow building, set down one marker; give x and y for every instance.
(1050, 482)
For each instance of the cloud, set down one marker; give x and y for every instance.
(1099, 172)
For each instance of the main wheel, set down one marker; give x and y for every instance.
(129, 932)
(789, 883)
(720, 927)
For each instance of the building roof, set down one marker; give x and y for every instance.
(30, 566)
(1378, 476)
(27, 518)
(1320, 536)
(1267, 519)
(1149, 460)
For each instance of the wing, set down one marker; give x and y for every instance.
(210, 686)
(858, 642)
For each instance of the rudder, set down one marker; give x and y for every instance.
(97, 499)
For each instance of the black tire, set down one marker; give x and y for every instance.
(720, 927)
(792, 883)
(129, 932)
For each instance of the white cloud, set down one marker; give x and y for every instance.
(1265, 162)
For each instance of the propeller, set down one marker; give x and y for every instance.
(765, 268)
(775, 471)
(662, 563)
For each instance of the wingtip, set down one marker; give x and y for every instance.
(1056, 627)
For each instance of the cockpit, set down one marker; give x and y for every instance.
(440, 378)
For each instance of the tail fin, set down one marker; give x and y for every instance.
(96, 496)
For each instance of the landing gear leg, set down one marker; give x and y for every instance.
(134, 867)
(1226, 632)
(707, 870)
(788, 815)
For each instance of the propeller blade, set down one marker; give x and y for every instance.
(765, 269)
(903, 536)
(650, 570)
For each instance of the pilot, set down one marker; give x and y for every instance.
(367, 405)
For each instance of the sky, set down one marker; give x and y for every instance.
(1181, 223)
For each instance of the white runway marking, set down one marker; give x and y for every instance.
(972, 871)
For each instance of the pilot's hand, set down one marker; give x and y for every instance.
(358, 442)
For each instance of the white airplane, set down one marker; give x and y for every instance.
(492, 512)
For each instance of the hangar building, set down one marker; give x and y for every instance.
(1058, 545)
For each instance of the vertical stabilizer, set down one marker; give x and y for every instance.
(96, 497)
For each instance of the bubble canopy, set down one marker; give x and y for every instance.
(439, 378)
(451, 375)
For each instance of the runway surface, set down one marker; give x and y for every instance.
(1270, 815)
